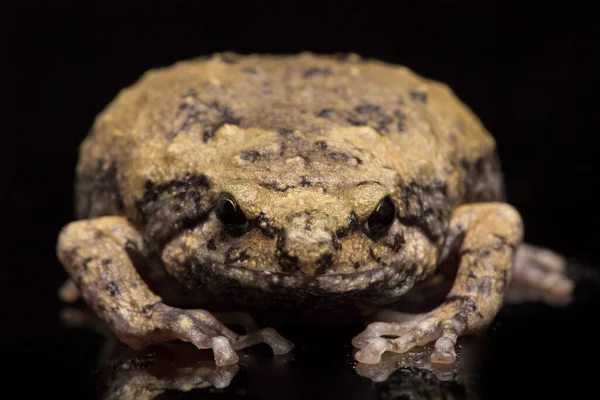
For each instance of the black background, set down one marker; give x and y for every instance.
(529, 71)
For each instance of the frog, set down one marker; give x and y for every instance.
(318, 187)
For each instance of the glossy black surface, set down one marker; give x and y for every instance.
(533, 349)
(530, 73)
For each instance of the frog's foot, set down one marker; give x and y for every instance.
(540, 274)
(443, 325)
(205, 331)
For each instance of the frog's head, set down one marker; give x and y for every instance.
(301, 240)
(301, 217)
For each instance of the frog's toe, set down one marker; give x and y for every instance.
(444, 352)
(224, 353)
(371, 353)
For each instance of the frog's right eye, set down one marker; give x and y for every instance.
(230, 214)
(382, 218)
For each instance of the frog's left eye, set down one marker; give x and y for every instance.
(230, 214)
(381, 220)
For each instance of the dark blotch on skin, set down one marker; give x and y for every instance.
(285, 131)
(286, 262)
(321, 144)
(418, 96)
(465, 304)
(86, 262)
(399, 115)
(336, 243)
(371, 115)
(190, 93)
(106, 261)
(206, 119)
(343, 156)
(367, 108)
(352, 224)
(426, 207)
(397, 243)
(98, 192)
(484, 286)
(481, 253)
(227, 117)
(481, 179)
(503, 243)
(375, 258)
(186, 106)
(384, 122)
(241, 256)
(315, 71)
(211, 244)
(192, 118)
(147, 309)
(325, 113)
(304, 181)
(338, 156)
(502, 284)
(153, 192)
(262, 222)
(355, 122)
(113, 288)
(250, 155)
(169, 208)
(282, 148)
(324, 263)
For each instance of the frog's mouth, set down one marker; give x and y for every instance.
(386, 283)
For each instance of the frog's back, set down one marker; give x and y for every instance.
(139, 137)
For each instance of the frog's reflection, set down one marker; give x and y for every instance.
(412, 375)
(419, 358)
(178, 367)
(125, 373)
(148, 373)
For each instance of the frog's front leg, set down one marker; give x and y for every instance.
(486, 236)
(95, 254)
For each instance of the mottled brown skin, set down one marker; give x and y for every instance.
(308, 146)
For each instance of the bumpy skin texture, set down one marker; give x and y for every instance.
(308, 146)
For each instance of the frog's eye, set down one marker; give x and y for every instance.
(230, 214)
(382, 218)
